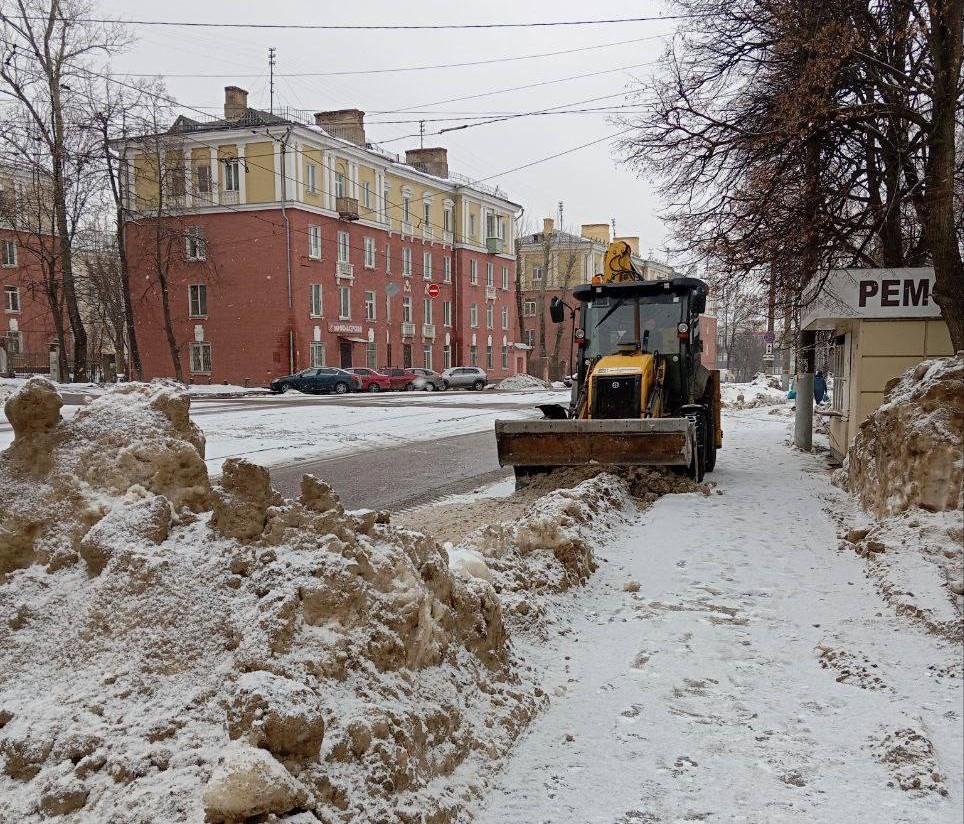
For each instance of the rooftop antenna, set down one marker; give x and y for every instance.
(421, 134)
(271, 61)
(560, 215)
(613, 222)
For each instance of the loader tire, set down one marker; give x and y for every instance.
(710, 438)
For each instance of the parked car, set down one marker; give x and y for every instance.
(465, 377)
(428, 380)
(319, 379)
(400, 379)
(371, 381)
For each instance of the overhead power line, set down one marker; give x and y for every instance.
(395, 69)
(379, 27)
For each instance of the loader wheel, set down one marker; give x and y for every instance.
(698, 464)
(710, 438)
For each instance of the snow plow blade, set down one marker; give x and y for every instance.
(625, 442)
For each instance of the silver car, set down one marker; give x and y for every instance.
(465, 377)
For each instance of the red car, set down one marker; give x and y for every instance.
(372, 381)
(401, 379)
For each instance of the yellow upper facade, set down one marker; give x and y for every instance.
(219, 168)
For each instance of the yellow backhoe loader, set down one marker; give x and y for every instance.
(640, 395)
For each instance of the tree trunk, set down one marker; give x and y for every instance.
(161, 257)
(135, 354)
(945, 42)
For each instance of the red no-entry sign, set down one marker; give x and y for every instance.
(433, 290)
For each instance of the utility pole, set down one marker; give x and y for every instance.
(768, 356)
(613, 223)
(560, 215)
(271, 62)
(421, 134)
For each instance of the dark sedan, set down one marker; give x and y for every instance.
(320, 379)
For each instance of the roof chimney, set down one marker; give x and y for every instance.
(596, 231)
(633, 243)
(434, 161)
(235, 102)
(347, 124)
(548, 225)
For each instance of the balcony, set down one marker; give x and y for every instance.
(428, 331)
(490, 293)
(345, 269)
(428, 233)
(494, 245)
(232, 198)
(408, 330)
(347, 208)
(448, 237)
(407, 228)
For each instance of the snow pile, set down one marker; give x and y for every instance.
(909, 452)
(522, 381)
(171, 651)
(763, 390)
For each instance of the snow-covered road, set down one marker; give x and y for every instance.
(754, 677)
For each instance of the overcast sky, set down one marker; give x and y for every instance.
(591, 184)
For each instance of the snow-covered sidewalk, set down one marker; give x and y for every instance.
(755, 676)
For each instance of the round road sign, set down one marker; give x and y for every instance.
(433, 290)
(769, 337)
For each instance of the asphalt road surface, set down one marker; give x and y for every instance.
(400, 477)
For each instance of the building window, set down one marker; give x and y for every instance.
(427, 357)
(427, 311)
(447, 357)
(473, 355)
(537, 273)
(489, 315)
(195, 243)
(505, 357)
(311, 178)
(198, 300)
(488, 356)
(406, 310)
(204, 180)
(317, 353)
(407, 261)
(495, 226)
(447, 219)
(530, 338)
(473, 272)
(529, 308)
(9, 253)
(339, 184)
(447, 312)
(232, 175)
(14, 343)
(369, 253)
(314, 242)
(343, 247)
(388, 258)
(489, 274)
(505, 277)
(344, 303)
(371, 355)
(12, 294)
(473, 315)
(427, 213)
(472, 231)
(366, 194)
(427, 265)
(406, 209)
(505, 317)
(447, 270)
(201, 358)
(369, 306)
(314, 300)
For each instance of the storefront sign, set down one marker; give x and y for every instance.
(345, 328)
(857, 294)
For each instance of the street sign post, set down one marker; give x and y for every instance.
(433, 290)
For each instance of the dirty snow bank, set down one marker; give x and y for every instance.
(171, 651)
(521, 381)
(906, 469)
(763, 390)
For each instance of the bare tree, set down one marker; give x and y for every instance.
(47, 69)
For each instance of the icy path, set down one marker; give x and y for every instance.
(702, 696)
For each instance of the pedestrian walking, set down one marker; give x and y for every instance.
(819, 387)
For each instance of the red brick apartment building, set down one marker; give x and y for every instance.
(286, 245)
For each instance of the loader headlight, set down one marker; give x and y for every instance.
(579, 334)
(683, 328)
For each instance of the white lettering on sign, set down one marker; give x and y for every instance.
(856, 294)
(345, 328)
